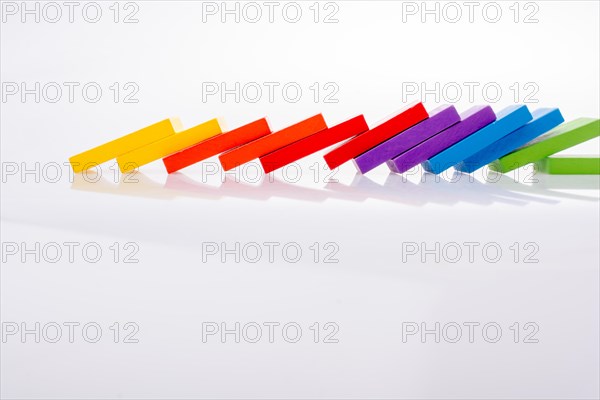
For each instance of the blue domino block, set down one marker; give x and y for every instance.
(544, 119)
(507, 121)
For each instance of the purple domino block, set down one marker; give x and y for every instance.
(439, 119)
(472, 120)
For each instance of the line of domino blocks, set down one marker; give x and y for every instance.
(274, 141)
(398, 122)
(440, 119)
(542, 121)
(507, 120)
(111, 150)
(217, 145)
(558, 139)
(313, 143)
(459, 128)
(439, 140)
(167, 146)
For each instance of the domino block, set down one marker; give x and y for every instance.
(399, 122)
(543, 120)
(107, 151)
(272, 142)
(217, 144)
(507, 121)
(569, 165)
(440, 119)
(314, 143)
(558, 139)
(172, 144)
(471, 121)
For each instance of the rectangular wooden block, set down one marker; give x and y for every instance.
(569, 165)
(471, 121)
(216, 145)
(314, 143)
(272, 142)
(543, 120)
(107, 151)
(439, 119)
(172, 144)
(558, 139)
(507, 121)
(399, 122)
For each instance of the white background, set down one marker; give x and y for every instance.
(371, 54)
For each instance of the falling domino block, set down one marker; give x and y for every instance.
(569, 165)
(172, 144)
(558, 139)
(216, 145)
(314, 143)
(440, 119)
(543, 120)
(508, 120)
(143, 137)
(272, 142)
(399, 122)
(471, 121)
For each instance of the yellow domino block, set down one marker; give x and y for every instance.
(143, 137)
(165, 147)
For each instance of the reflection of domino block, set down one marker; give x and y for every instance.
(558, 139)
(313, 143)
(439, 119)
(468, 122)
(543, 120)
(217, 144)
(172, 144)
(272, 142)
(569, 165)
(399, 122)
(143, 137)
(507, 121)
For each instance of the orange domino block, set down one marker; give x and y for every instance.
(272, 142)
(216, 145)
(314, 143)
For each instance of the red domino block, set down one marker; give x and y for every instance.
(217, 144)
(272, 142)
(399, 122)
(313, 143)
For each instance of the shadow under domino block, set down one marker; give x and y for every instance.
(558, 139)
(398, 122)
(269, 143)
(172, 144)
(471, 121)
(216, 145)
(508, 120)
(439, 119)
(320, 140)
(569, 165)
(543, 120)
(107, 151)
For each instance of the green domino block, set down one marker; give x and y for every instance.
(558, 139)
(569, 165)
